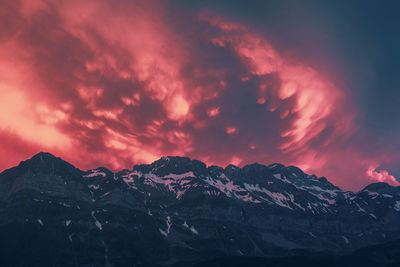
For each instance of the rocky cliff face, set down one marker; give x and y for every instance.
(178, 210)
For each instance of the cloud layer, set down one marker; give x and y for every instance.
(115, 84)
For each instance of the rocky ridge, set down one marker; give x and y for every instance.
(178, 210)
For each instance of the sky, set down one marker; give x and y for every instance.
(116, 83)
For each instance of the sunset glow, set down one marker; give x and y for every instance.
(121, 83)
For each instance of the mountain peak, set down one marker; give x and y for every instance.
(172, 159)
(44, 162)
(172, 165)
(44, 156)
(176, 201)
(379, 187)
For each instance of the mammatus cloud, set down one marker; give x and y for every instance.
(105, 83)
(314, 99)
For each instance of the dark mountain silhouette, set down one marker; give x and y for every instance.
(179, 212)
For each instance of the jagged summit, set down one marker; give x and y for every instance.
(172, 178)
(44, 155)
(45, 162)
(43, 158)
(178, 209)
(378, 187)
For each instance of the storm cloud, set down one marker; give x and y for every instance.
(120, 83)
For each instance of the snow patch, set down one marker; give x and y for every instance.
(277, 198)
(291, 197)
(397, 206)
(359, 208)
(95, 173)
(321, 193)
(373, 195)
(194, 231)
(282, 178)
(168, 224)
(96, 222)
(64, 204)
(163, 232)
(95, 187)
(130, 177)
(230, 189)
(176, 183)
(105, 194)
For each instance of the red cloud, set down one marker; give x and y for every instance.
(381, 176)
(316, 98)
(105, 83)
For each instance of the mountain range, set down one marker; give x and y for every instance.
(180, 212)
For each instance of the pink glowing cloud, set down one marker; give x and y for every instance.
(115, 84)
(381, 176)
(230, 130)
(315, 97)
(213, 112)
